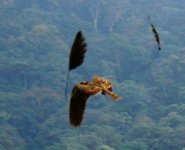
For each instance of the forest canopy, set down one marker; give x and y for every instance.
(35, 42)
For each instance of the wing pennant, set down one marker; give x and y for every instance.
(155, 33)
(77, 54)
(78, 50)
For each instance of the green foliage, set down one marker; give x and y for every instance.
(104, 147)
(35, 41)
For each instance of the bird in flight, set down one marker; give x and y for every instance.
(82, 91)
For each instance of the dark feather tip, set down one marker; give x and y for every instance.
(78, 50)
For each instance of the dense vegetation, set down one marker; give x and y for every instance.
(35, 40)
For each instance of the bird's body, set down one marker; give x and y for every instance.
(81, 92)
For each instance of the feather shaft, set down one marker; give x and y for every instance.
(77, 54)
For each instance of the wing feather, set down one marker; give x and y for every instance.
(80, 94)
(102, 81)
(106, 87)
(89, 88)
(113, 95)
(77, 106)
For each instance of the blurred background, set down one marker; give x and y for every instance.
(35, 42)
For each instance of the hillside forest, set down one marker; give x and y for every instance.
(35, 42)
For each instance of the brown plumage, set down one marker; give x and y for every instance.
(77, 53)
(81, 92)
(155, 33)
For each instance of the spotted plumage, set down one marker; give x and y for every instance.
(82, 91)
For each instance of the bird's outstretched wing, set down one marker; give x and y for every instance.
(113, 95)
(89, 88)
(106, 87)
(80, 94)
(99, 81)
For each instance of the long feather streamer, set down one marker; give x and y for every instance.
(77, 54)
(155, 33)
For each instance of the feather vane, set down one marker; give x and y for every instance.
(78, 50)
(155, 33)
(77, 54)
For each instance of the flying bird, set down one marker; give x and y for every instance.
(77, 54)
(155, 33)
(80, 94)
